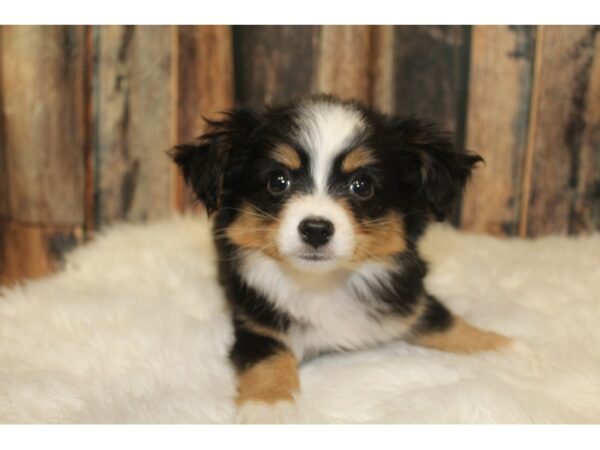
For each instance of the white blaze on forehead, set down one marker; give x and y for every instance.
(325, 131)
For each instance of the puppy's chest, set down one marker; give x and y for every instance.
(336, 321)
(327, 313)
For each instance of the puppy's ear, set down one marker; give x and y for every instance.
(204, 162)
(444, 171)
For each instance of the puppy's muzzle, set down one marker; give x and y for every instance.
(316, 231)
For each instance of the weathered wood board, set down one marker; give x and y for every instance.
(431, 70)
(343, 65)
(564, 175)
(275, 63)
(497, 120)
(382, 68)
(135, 122)
(43, 123)
(43, 134)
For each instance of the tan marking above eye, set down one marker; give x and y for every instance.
(357, 158)
(287, 156)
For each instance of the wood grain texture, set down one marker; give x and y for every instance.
(89, 150)
(431, 69)
(383, 71)
(205, 85)
(205, 76)
(275, 64)
(135, 103)
(585, 209)
(32, 251)
(4, 180)
(563, 117)
(344, 62)
(43, 124)
(497, 120)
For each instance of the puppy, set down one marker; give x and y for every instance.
(319, 207)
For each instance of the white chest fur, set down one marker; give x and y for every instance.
(331, 311)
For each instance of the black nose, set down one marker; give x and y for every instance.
(315, 231)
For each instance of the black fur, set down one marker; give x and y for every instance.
(204, 162)
(436, 317)
(251, 304)
(250, 347)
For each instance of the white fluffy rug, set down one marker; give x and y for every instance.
(135, 330)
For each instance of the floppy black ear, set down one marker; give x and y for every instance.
(201, 164)
(204, 162)
(445, 177)
(444, 170)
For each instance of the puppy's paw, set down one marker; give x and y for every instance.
(268, 413)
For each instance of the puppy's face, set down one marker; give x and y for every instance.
(323, 184)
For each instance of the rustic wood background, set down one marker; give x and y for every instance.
(88, 112)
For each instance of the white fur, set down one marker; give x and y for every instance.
(325, 131)
(325, 306)
(339, 248)
(135, 330)
(253, 412)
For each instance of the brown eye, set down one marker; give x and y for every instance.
(362, 187)
(279, 182)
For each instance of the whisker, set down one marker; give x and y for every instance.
(223, 230)
(263, 212)
(245, 211)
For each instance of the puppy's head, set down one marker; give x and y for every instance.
(323, 184)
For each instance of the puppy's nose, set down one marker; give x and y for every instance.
(316, 231)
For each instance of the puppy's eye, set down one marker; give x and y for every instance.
(362, 187)
(279, 182)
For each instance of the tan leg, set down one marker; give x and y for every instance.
(267, 374)
(271, 380)
(461, 337)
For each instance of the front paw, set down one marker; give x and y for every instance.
(257, 412)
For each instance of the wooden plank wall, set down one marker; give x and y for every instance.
(135, 99)
(87, 113)
(563, 185)
(500, 81)
(43, 135)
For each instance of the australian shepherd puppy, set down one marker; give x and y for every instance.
(319, 206)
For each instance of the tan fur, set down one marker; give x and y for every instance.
(270, 381)
(462, 337)
(379, 238)
(357, 158)
(254, 229)
(262, 330)
(287, 156)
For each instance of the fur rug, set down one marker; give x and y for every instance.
(135, 330)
